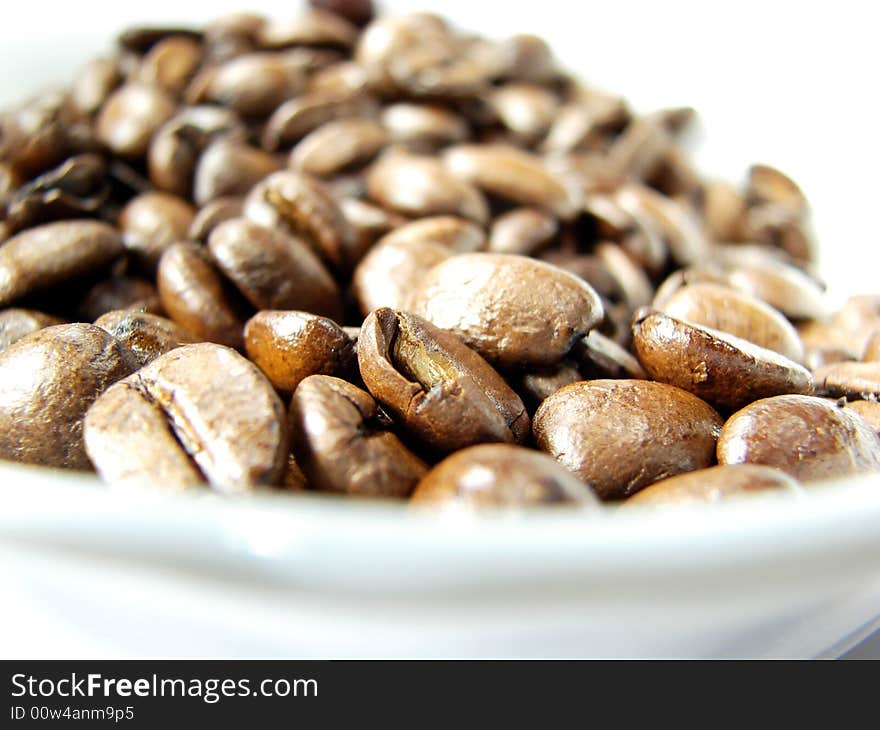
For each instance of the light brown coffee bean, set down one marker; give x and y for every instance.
(338, 145)
(512, 174)
(119, 292)
(274, 270)
(527, 110)
(500, 475)
(808, 438)
(289, 346)
(457, 234)
(872, 348)
(196, 297)
(213, 214)
(48, 380)
(719, 367)
(93, 83)
(527, 57)
(295, 118)
(45, 256)
(343, 445)
(515, 311)
(368, 223)
(229, 167)
(852, 379)
(150, 223)
(522, 231)
(300, 204)
(18, 323)
(619, 436)
(778, 226)
(631, 279)
(171, 63)
(419, 185)
(736, 313)
(130, 117)
(715, 484)
(423, 127)
(768, 185)
(440, 390)
(147, 336)
(222, 412)
(867, 409)
(599, 356)
(314, 27)
(724, 211)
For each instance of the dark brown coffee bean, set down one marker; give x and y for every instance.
(290, 346)
(621, 435)
(140, 39)
(423, 127)
(130, 117)
(512, 174)
(51, 254)
(303, 206)
(48, 380)
(195, 296)
(147, 336)
(119, 292)
(295, 118)
(18, 323)
(358, 12)
(222, 412)
(852, 379)
(229, 167)
(538, 385)
(150, 223)
(515, 311)
(522, 231)
(419, 185)
(867, 409)
(274, 270)
(719, 367)
(715, 484)
(343, 445)
(94, 82)
(440, 390)
(500, 475)
(808, 438)
(736, 313)
(338, 145)
(213, 214)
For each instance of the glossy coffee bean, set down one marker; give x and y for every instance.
(147, 336)
(619, 436)
(852, 379)
(230, 167)
(150, 223)
(337, 146)
(809, 438)
(130, 117)
(18, 323)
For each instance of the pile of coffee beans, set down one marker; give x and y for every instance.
(386, 257)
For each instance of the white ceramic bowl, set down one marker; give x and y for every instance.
(89, 571)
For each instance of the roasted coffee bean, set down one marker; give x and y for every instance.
(272, 269)
(522, 231)
(232, 35)
(537, 385)
(599, 356)
(338, 145)
(314, 27)
(848, 330)
(852, 379)
(419, 185)
(515, 311)
(48, 255)
(736, 313)
(456, 234)
(343, 445)
(423, 127)
(440, 390)
(358, 12)
(230, 167)
(527, 58)
(146, 335)
(150, 223)
(872, 348)
(719, 367)
(724, 211)
(715, 484)
(500, 475)
(195, 295)
(171, 63)
(808, 438)
(621, 435)
(300, 204)
(94, 82)
(140, 39)
(869, 410)
(768, 185)
(295, 118)
(512, 174)
(527, 110)
(213, 214)
(631, 279)
(199, 409)
(289, 346)
(368, 223)
(130, 117)
(119, 292)
(48, 380)
(18, 323)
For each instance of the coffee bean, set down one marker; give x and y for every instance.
(196, 297)
(130, 117)
(852, 379)
(867, 409)
(171, 63)
(289, 346)
(48, 380)
(500, 475)
(147, 336)
(48, 255)
(527, 110)
(213, 214)
(295, 118)
(537, 385)
(514, 311)
(314, 27)
(423, 127)
(93, 83)
(338, 145)
(621, 435)
(872, 348)
(599, 356)
(272, 269)
(768, 185)
(457, 234)
(230, 167)
(201, 402)
(440, 390)
(724, 211)
(343, 445)
(522, 231)
(715, 484)
(368, 223)
(359, 12)
(719, 367)
(150, 223)
(808, 438)
(18, 323)
(119, 292)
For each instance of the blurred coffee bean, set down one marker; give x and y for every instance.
(150, 223)
(18, 323)
(130, 116)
